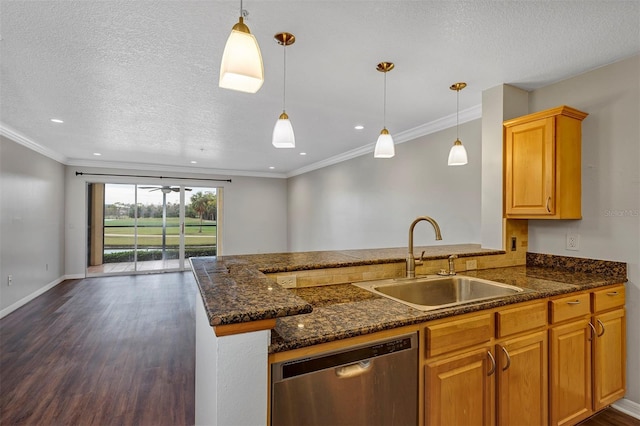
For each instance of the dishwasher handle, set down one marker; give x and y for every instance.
(353, 370)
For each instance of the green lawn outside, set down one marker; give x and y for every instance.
(120, 232)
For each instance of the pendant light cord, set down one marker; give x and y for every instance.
(284, 78)
(241, 9)
(384, 103)
(457, 113)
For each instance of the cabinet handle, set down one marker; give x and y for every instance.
(508, 358)
(593, 332)
(612, 293)
(573, 302)
(548, 201)
(493, 364)
(602, 326)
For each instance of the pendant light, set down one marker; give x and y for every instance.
(458, 154)
(384, 146)
(241, 68)
(283, 136)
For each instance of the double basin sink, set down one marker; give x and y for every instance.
(435, 292)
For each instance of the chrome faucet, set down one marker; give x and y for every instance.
(411, 261)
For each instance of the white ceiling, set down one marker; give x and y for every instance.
(137, 81)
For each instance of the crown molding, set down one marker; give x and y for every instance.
(469, 114)
(443, 123)
(21, 139)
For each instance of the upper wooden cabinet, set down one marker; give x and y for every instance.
(542, 165)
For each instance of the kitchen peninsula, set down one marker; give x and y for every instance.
(245, 317)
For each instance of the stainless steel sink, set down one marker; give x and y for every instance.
(435, 292)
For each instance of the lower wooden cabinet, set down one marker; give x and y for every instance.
(521, 396)
(459, 389)
(570, 364)
(587, 355)
(609, 358)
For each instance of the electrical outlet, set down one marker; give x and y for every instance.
(514, 242)
(573, 242)
(286, 281)
(471, 265)
(10, 280)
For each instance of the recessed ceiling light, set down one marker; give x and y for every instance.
(303, 153)
(56, 120)
(359, 127)
(194, 162)
(271, 167)
(97, 154)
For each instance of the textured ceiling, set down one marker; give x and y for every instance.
(137, 80)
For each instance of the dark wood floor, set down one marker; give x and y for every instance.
(611, 417)
(113, 350)
(102, 351)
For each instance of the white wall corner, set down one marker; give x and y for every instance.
(498, 104)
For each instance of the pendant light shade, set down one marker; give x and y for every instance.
(241, 67)
(458, 153)
(384, 145)
(283, 136)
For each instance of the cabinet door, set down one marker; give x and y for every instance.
(459, 389)
(530, 168)
(609, 358)
(522, 380)
(570, 365)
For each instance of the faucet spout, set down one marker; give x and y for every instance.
(411, 261)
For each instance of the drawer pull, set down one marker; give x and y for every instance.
(593, 332)
(612, 293)
(573, 302)
(508, 358)
(493, 364)
(602, 326)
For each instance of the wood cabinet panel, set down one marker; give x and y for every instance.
(608, 298)
(569, 307)
(521, 318)
(458, 390)
(522, 381)
(570, 378)
(530, 167)
(609, 358)
(458, 334)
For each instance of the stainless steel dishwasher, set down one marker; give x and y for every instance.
(371, 384)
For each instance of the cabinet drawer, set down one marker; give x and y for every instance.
(569, 307)
(521, 318)
(608, 298)
(462, 333)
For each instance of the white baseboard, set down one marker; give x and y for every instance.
(628, 407)
(6, 311)
(74, 277)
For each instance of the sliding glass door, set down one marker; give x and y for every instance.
(149, 228)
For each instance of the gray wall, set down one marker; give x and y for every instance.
(255, 215)
(31, 222)
(370, 203)
(610, 225)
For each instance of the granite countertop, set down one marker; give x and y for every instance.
(235, 290)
